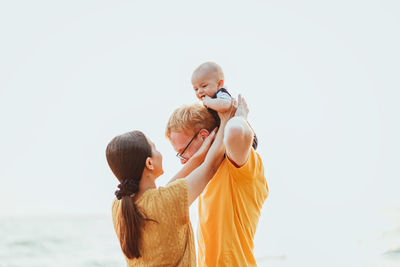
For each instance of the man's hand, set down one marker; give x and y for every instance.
(242, 109)
(227, 115)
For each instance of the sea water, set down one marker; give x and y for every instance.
(47, 241)
(284, 238)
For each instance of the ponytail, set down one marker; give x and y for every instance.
(126, 155)
(131, 223)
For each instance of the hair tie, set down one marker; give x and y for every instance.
(127, 187)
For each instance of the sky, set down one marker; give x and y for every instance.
(321, 79)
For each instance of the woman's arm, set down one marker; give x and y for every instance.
(199, 178)
(197, 159)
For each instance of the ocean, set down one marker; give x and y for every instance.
(90, 241)
(48, 241)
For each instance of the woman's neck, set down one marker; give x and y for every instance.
(147, 182)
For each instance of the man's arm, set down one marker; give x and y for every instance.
(238, 136)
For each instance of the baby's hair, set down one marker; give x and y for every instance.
(210, 66)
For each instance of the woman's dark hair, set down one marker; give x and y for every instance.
(126, 155)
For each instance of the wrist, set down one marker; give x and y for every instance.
(196, 159)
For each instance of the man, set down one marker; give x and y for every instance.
(229, 207)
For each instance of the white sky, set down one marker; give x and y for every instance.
(321, 80)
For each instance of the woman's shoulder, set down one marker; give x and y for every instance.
(177, 185)
(170, 191)
(172, 198)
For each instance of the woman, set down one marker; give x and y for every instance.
(152, 223)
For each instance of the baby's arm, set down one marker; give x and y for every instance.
(217, 104)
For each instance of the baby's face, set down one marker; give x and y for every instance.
(205, 84)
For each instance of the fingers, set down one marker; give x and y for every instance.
(210, 137)
(234, 107)
(243, 103)
(234, 103)
(213, 133)
(242, 109)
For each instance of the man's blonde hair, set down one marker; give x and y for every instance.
(190, 118)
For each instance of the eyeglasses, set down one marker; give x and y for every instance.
(179, 155)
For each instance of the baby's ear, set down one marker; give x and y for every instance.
(220, 84)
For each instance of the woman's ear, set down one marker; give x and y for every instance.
(149, 164)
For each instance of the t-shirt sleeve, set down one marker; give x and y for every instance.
(252, 168)
(173, 199)
(223, 95)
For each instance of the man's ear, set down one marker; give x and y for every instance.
(204, 133)
(220, 84)
(149, 164)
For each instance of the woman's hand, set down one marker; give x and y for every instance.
(202, 152)
(197, 159)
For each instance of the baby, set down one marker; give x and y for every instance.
(208, 81)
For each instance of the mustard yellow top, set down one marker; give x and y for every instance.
(170, 242)
(229, 209)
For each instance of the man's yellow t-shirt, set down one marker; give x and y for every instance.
(229, 209)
